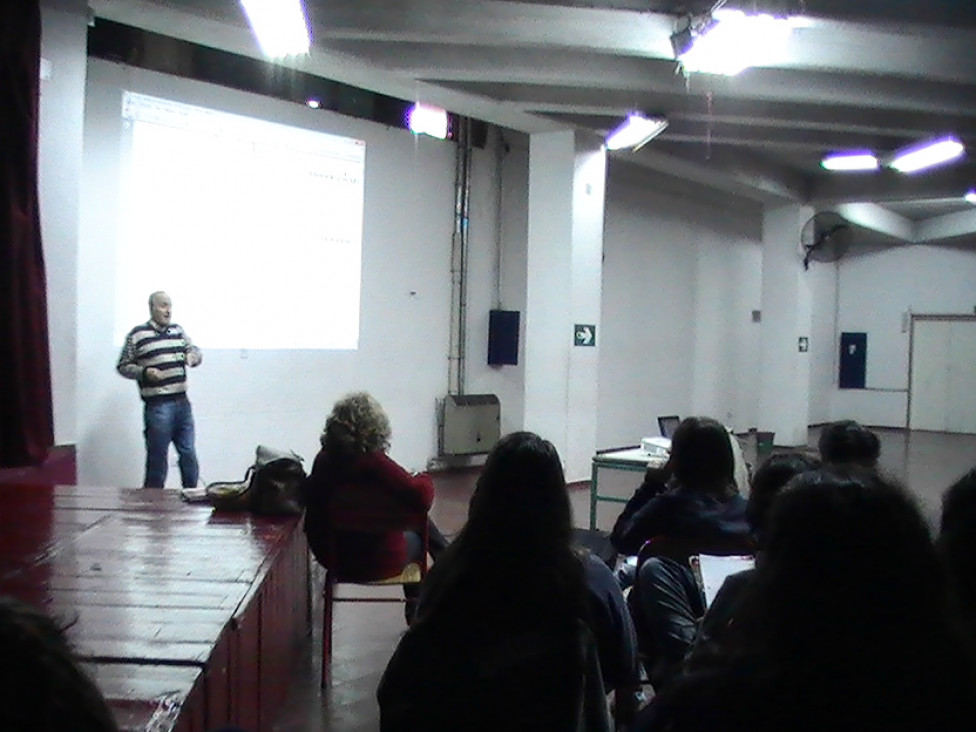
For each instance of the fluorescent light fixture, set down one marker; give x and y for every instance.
(426, 120)
(927, 155)
(279, 25)
(635, 132)
(851, 161)
(728, 41)
(971, 196)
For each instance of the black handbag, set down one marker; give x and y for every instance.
(271, 486)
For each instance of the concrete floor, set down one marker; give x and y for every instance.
(365, 634)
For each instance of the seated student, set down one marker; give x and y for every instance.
(498, 642)
(847, 442)
(624, 538)
(701, 508)
(353, 454)
(957, 545)
(851, 624)
(42, 688)
(719, 621)
(628, 538)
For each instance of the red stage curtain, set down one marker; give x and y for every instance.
(26, 424)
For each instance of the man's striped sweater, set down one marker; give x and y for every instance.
(162, 347)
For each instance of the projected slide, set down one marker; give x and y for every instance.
(254, 228)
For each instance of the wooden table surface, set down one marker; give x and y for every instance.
(152, 591)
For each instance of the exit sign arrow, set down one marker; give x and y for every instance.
(584, 335)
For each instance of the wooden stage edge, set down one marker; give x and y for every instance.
(188, 619)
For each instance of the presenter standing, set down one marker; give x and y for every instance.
(156, 355)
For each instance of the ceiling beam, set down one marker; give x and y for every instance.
(947, 13)
(887, 186)
(624, 85)
(748, 113)
(831, 47)
(874, 217)
(498, 24)
(949, 226)
(233, 38)
(951, 13)
(738, 176)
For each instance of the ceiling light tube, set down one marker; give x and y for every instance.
(635, 132)
(279, 25)
(927, 155)
(426, 120)
(850, 161)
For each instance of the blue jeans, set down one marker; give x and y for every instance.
(436, 543)
(166, 421)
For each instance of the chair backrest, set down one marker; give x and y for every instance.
(668, 424)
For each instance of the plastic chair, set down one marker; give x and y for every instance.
(367, 512)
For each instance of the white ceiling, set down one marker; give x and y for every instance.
(875, 74)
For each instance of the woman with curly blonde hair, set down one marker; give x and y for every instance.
(353, 455)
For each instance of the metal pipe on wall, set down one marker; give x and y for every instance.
(459, 259)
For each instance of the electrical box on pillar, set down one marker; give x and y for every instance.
(503, 337)
(470, 424)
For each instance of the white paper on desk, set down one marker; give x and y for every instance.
(714, 570)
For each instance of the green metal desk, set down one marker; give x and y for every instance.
(632, 458)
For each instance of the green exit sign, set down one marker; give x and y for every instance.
(584, 335)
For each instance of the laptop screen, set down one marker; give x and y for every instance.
(667, 425)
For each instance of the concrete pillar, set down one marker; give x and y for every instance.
(784, 390)
(567, 183)
(64, 34)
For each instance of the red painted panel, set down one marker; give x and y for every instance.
(246, 666)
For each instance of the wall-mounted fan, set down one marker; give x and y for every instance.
(825, 238)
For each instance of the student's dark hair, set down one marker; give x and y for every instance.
(849, 442)
(522, 485)
(701, 456)
(500, 610)
(851, 596)
(957, 542)
(768, 480)
(42, 687)
(517, 539)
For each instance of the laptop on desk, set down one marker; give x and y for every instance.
(667, 425)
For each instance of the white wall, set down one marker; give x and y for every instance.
(499, 281)
(787, 308)
(681, 274)
(876, 286)
(824, 342)
(282, 398)
(63, 39)
(585, 295)
(548, 307)
(680, 279)
(726, 356)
